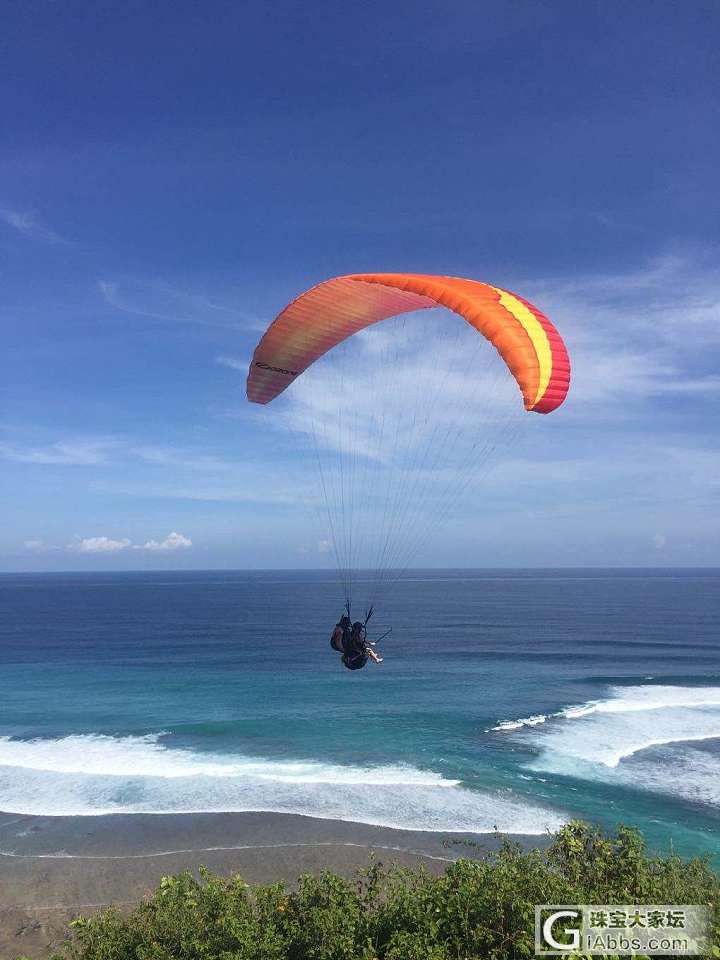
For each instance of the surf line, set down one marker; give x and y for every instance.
(251, 846)
(77, 906)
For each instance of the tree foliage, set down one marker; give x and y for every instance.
(476, 909)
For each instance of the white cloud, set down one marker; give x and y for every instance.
(29, 226)
(178, 457)
(37, 546)
(100, 545)
(173, 541)
(62, 453)
(159, 301)
(233, 363)
(707, 385)
(184, 473)
(653, 470)
(386, 396)
(166, 471)
(632, 337)
(636, 335)
(251, 489)
(400, 408)
(612, 455)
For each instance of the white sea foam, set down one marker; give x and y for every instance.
(97, 774)
(146, 756)
(626, 700)
(522, 722)
(695, 774)
(636, 699)
(639, 735)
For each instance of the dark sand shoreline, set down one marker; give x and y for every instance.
(53, 868)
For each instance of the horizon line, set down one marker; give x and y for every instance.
(331, 572)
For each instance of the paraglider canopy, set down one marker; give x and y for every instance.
(332, 311)
(403, 420)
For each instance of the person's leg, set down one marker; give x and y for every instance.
(373, 655)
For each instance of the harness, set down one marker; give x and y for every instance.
(354, 661)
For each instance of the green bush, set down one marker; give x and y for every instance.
(476, 909)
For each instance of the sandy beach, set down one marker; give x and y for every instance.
(54, 868)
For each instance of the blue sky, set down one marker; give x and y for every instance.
(172, 174)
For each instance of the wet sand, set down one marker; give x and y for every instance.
(54, 868)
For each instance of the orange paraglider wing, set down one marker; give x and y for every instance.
(325, 315)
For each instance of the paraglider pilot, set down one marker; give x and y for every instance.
(341, 634)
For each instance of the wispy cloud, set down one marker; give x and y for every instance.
(632, 337)
(159, 301)
(401, 391)
(256, 489)
(412, 400)
(637, 335)
(80, 452)
(416, 407)
(234, 363)
(624, 377)
(185, 457)
(167, 471)
(702, 385)
(36, 545)
(655, 469)
(673, 300)
(30, 226)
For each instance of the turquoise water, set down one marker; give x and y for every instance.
(513, 699)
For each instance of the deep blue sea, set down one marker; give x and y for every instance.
(509, 699)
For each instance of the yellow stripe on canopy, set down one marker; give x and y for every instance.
(537, 335)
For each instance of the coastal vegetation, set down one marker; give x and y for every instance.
(480, 908)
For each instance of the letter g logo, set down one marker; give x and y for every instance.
(547, 930)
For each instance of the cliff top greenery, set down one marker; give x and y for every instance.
(476, 909)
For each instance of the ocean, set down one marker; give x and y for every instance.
(508, 699)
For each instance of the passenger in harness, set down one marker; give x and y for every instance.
(358, 649)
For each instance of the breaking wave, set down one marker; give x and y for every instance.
(662, 738)
(98, 774)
